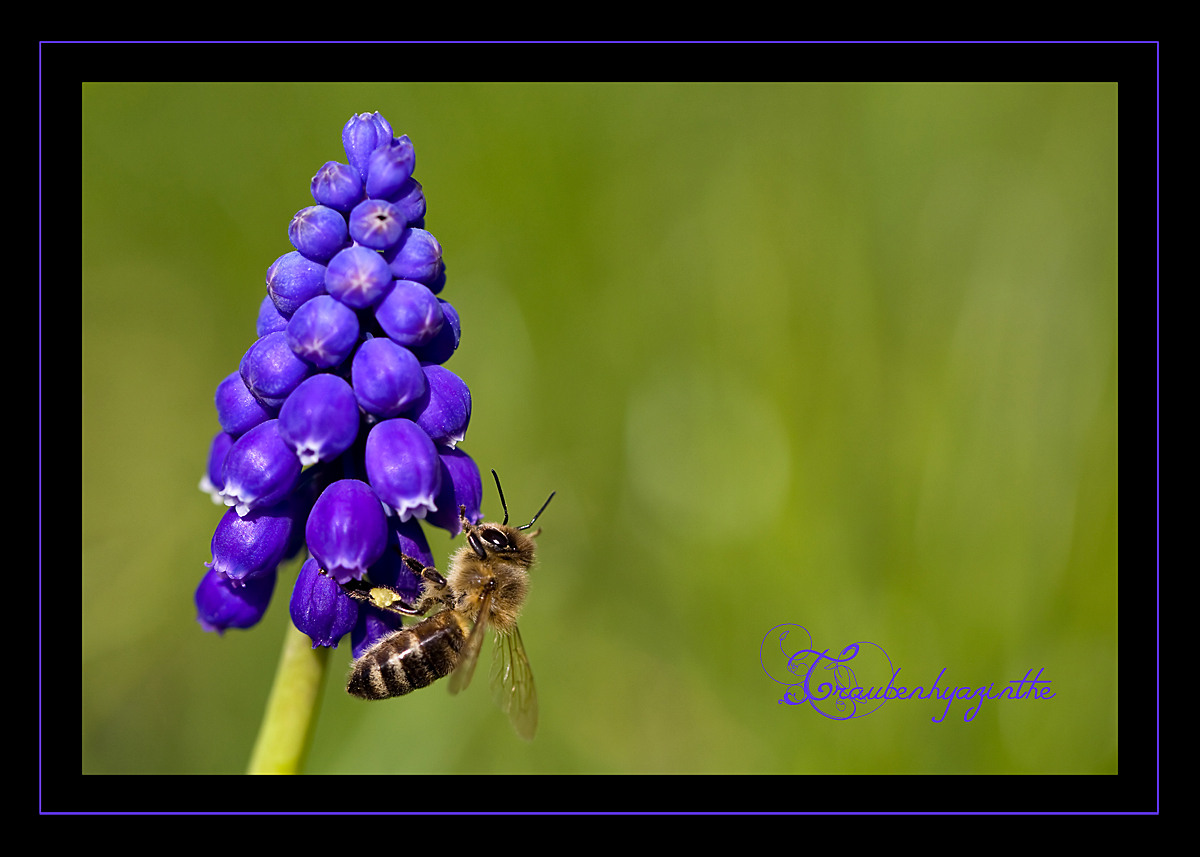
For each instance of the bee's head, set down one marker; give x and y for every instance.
(491, 540)
(487, 538)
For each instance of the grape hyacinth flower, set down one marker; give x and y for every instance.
(245, 547)
(340, 427)
(293, 280)
(410, 314)
(222, 603)
(403, 464)
(444, 410)
(358, 277)
(271, 369)
(321, 608)
(387, 378)
(337, 186)
(323, 332)
(260, 469)
(320, 420)
(318, 232)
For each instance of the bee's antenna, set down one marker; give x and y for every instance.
(539, 512)
(500, 491)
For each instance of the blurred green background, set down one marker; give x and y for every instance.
(842, 356)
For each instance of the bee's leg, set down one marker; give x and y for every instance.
(383, 597)
(435, 584)
(426, 572)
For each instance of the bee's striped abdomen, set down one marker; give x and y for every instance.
(410, 659)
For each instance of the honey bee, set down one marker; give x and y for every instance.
(485, 588)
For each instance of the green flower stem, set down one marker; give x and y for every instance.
(295, 701)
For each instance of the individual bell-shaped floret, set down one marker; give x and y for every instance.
(251, 546)
(318, 232)
(358, 277)
(444, 411)
(362, 135)
(272, 370)
(390, 166)
(417, 255)
(223, 603)
(320, 419)
(377, 224)
(293, 280)
(461, 486)
(338, 186)
(403, 467)
(323, 332)
(321, 608)
(409, 314)
(237, 409)
(347, 530)
(260, 469)
(443, 345)
(387, 377)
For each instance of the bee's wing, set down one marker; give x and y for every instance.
(461, 677)
(512, 684)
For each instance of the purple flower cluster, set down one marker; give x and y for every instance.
(339, 427)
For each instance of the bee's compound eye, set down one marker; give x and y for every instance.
(497, 539)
